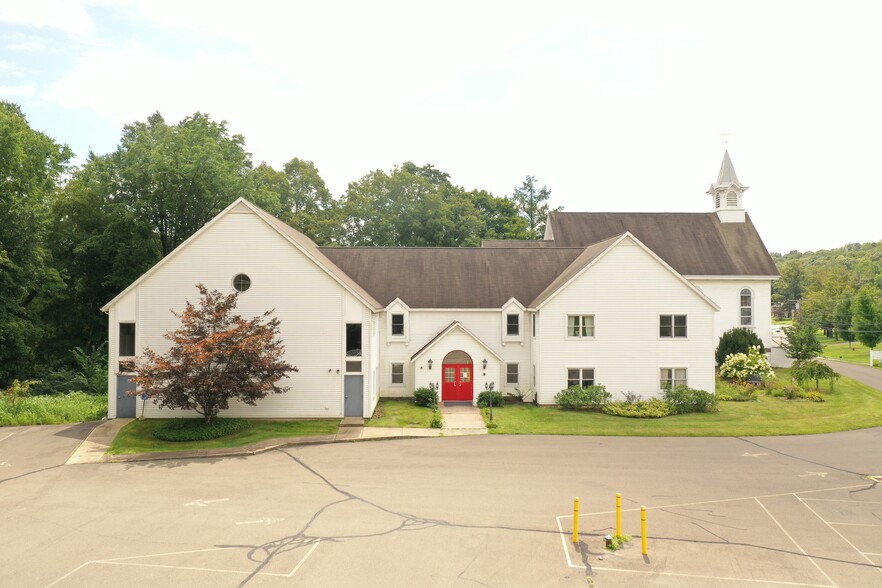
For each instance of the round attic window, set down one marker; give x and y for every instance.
(241, 282)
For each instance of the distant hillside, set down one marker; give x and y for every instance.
(822, 280)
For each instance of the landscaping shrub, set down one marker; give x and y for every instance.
(815, 396)
(791, 392)
(730, 392)
(683, 399)
(437, 421)
(578, 397)
(485, 397)
(425, 397)
(640, 409)
(199, 429)
(741, 366)
(738, 340)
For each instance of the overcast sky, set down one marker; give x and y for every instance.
(615, 106)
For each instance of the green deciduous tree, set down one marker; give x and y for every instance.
(414, 206)
(867, 320)
(842, 319)
(176, 178)
(30, 166)
(215, 356)
(802, 342)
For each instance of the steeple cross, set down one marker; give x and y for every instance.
(725, 137)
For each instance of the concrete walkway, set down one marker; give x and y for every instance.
(458, 420)
(462, 420)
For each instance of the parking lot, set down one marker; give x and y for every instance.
(491, 511)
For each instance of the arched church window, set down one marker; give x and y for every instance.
(746, 301)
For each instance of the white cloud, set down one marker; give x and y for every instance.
(18, 91)
(615, 106)
(69, 16)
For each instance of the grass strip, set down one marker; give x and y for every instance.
(137, 436)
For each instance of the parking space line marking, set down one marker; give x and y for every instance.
(308, 553)
(603, 512)
(871, 562)
(147, 565)
(7, 437)
(853, 524)
(798, 546)
(727, 578)
(868, 553)
(843, 500)
(563, 540)
(70, 573)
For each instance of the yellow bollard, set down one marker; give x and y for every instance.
(576, 519)
(643, 529)
(618, 514)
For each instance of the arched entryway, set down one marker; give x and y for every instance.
(457, 377)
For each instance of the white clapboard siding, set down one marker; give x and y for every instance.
(424, 325)
(310, 304)
(626, 351)
(727, 295)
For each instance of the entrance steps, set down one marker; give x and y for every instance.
(352, 422)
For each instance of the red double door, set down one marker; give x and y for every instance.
(457, 382)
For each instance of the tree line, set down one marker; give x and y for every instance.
(72, 237)
(838, 290)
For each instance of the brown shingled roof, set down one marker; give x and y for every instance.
(694, 244)
(460, 277)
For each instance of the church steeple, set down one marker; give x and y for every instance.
(727, 192)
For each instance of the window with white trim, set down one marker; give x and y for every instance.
(580, 377)
(398, 373)
(580, 325)
(512, 325)
(126, 339)
(511, 373)
(672, 326)
(745, 299)
(397, 323)
(670, 378)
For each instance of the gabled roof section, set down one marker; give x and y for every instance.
(293, 236)
(455, 325)
(694, 244)
(593, 253)
(457, 277)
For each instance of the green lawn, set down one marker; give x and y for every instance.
(137, 436)
(395, 412)
(851, 406)
(840, 350)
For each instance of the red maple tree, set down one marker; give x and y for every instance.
(215, 356)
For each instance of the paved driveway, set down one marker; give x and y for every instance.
(468, 511)
(870, 376)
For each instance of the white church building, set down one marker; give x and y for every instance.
(633, 301)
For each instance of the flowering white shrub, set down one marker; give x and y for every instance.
(740, 366)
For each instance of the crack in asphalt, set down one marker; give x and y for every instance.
(264, 553)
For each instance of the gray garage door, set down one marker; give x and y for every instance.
(125, 404)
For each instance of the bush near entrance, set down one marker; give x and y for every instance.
(199, 429)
